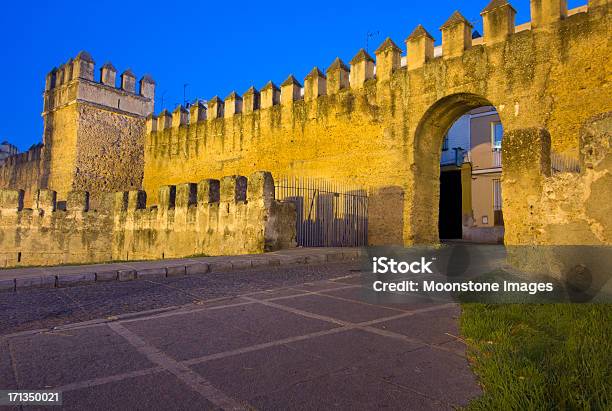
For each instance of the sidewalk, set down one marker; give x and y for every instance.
(58, 276)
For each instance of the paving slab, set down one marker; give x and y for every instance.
(252, 374)
(434, 327)
(346, 391)
(367, 295)
(59, 358)
(279, 293)
(435, 373)
(142, 344)
(343, 310)
(269, 323)
(161, 391)
(7, 376)
(346, 349)
(193, 335)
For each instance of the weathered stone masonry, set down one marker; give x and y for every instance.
(93, 138)
(380, 123)
(227, 217)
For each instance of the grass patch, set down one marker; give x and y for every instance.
(540, 357)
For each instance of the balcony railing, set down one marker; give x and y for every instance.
(497, 158)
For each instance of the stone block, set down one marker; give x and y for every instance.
(7, 285)
(233, 189)
(335, 256)
(259, 262)
(106, 275)
(337, 76)
(498, 21)
(315, 84)
(197, 269)
(242, 264)
(175, 271)
(261, 186)
(64, 280)
(219, 266)
(274, 261)
(167, 197)
(292, 260)
(186, 195)
(250, 101)
(121, 201)
(126, 275)
(11, 199)
(37, 281)
(350, 254)
(316, 259)
(137, 200)
(46, 201)
(151, 273)
(77, 201)
(208, 191)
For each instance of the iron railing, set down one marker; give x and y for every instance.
(497, 158)
(560, 163)
(329, 214)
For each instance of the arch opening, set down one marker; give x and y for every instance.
(458, 167)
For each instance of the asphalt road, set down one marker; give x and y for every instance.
(279, 337)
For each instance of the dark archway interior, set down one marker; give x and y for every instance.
(449, 222)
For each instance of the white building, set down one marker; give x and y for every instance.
(6, 150)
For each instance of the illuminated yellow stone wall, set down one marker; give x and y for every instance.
(384, 132)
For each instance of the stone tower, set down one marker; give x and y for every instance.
(93, 130)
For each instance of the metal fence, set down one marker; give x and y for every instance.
(330, 214)
(563, 164)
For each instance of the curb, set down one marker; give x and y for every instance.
(175, 270)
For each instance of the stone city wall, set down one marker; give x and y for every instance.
(227, 217)
(46, 235)
(380, 123)
(23, 170)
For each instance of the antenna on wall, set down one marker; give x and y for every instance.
(185, 103)
(162, 99)
(370, 35)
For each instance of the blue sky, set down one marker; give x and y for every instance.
(215, 47)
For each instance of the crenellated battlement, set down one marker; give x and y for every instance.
(74, 81)
(223, 130)
(233, 215)
(34, 153)
(46, 204)
(24, 170)
(52, 232)
(498, 22)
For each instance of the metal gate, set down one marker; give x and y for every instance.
(329, 214)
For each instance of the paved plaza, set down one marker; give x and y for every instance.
(274, 337)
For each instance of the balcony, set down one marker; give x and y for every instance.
(497, 158)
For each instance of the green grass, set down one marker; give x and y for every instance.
(540, 357)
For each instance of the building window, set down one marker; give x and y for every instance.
(445, 143)
(497, 132)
